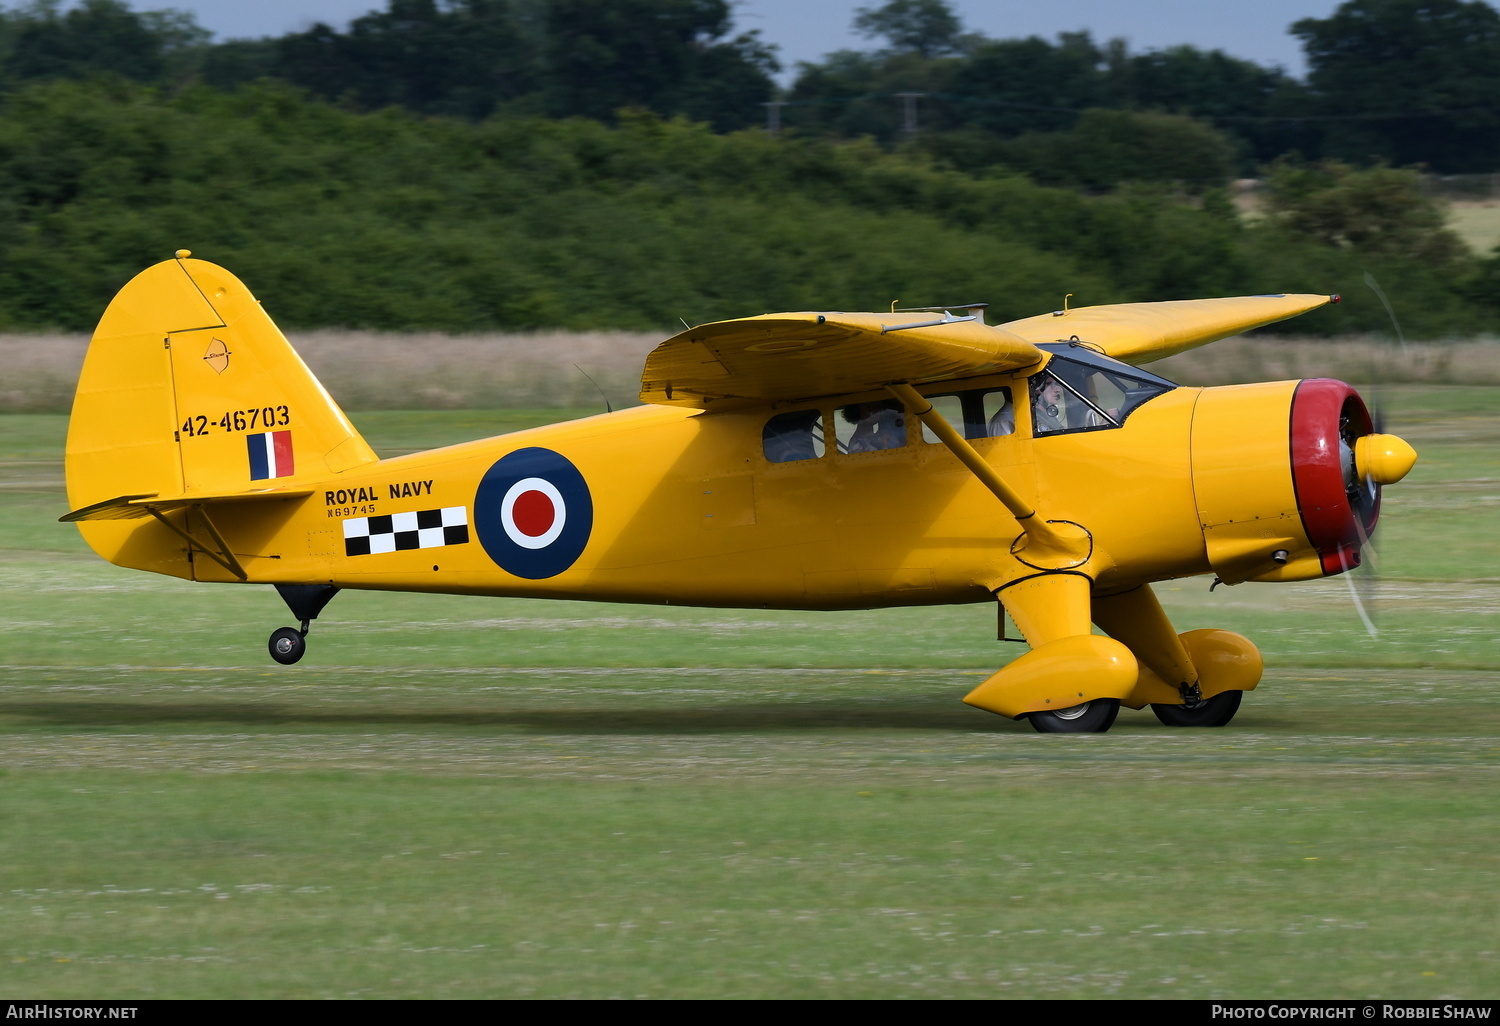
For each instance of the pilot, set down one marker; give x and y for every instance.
(877, 426)
(1047, 413)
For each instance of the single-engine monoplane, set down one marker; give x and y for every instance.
(815, 460)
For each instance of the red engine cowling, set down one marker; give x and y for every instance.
(1339, 506)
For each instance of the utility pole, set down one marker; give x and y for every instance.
(909, 113)
(773, 116)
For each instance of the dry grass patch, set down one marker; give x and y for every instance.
(366, 370)
(1363, 360)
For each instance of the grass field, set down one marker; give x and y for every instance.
(1477, 223)
(492, 798)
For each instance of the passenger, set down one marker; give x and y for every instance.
(792, 436)
(1004, 420)
(880, 425)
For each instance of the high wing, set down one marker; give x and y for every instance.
(1141, 332)
(793, 356)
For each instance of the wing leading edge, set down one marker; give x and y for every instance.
(792, 356)
(1141, 332)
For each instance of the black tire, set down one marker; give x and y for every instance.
(1210, 712)
(1089, 718)
(287, 645)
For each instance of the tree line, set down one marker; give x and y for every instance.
(462, 58)
(392, 220)
(1406, 82)
(511, 164)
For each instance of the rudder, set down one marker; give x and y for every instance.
(189, 389)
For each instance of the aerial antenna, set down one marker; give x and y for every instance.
(607, 407)
(685, 324)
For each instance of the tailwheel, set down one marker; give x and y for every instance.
(288, 644)
(1205, 712)
(1089, 718)
(306, 601)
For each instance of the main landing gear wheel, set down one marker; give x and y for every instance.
(1089, 718)
(1206, 712)
(288, 644)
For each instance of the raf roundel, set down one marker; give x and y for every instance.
(533, 513)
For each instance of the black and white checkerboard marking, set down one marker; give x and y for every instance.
(421, 529)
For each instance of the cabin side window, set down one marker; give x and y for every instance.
(979, 413)
(798, 435)
(1086, 391)
(951, 408)
(871, 427)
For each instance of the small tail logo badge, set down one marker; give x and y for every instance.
(217, 356)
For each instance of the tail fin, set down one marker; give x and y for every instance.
(189, 390)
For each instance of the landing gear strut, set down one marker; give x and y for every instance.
(306, 601)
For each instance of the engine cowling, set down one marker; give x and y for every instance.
(1287, 477)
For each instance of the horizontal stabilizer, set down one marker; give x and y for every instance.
(790, 356)
(137, 507)
(1141, 332)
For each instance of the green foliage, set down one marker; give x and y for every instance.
(978, 93)
(669, 56)
(465, 58)
(1256, 106)
(851, 95)
(1411, 81)
(1379, 212)
(1408, 81)
(1184, 78)
(1107, 147)
(391, 221)
(470, 58)
(98, 36)
(926, 27)
(1404, 81)
(460, 57)
(1483, 284)
(1016, 85)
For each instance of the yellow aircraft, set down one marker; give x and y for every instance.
(796, 460)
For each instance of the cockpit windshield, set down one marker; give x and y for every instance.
(1084, 390)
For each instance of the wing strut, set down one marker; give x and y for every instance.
(223, 556)
(1043, 544)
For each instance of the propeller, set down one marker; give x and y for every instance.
(1364, 501)
(1371, 459)
(1390, 311)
